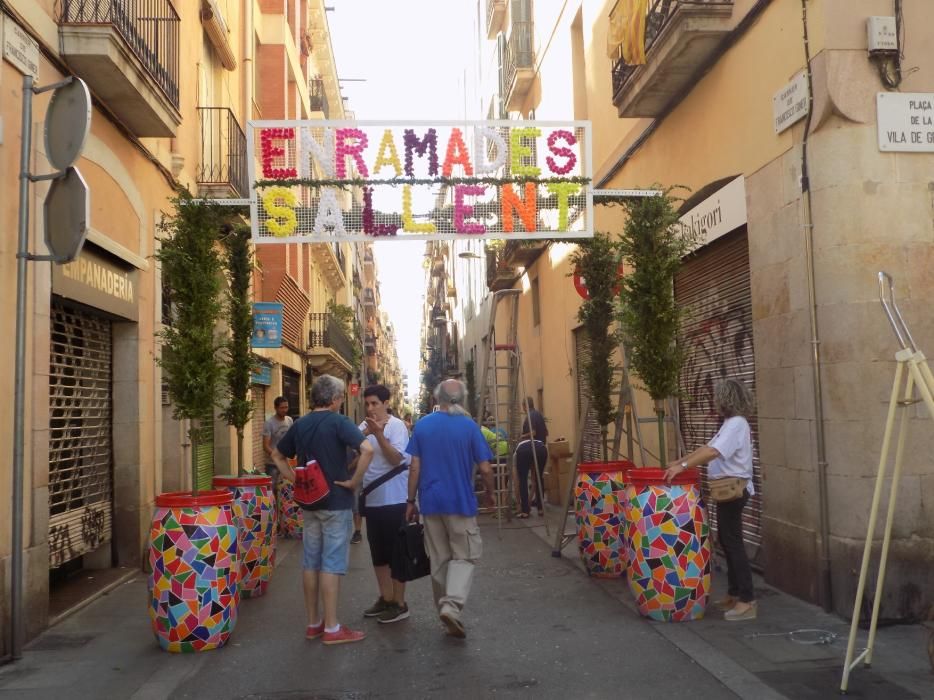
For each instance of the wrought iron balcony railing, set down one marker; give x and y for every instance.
(660, 14)
(223, 150)
(149, 27)
(317, 97)
(519, 52)
(326, 332)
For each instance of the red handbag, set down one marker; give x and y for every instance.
(310, 484)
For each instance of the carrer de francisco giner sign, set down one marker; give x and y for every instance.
(356, 180)
(96, 280)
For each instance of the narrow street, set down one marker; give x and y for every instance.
(536, 628)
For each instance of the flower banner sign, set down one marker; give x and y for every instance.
(328, 180)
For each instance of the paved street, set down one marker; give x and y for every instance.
(537, 627)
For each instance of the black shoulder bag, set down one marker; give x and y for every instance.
(376, 483)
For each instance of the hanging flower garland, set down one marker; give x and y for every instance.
(571, 140)
(369, 221)
(276, 211)
(270, 152)
(344, 183)
(413, 143)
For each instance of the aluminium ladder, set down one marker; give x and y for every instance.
(502, 396)
(911, 371)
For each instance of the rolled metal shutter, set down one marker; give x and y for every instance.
(713, 286)
(259, 418)
(80, 433)
(592, 452)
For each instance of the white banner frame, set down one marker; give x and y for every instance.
(586, 169)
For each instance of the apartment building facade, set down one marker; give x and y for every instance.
(798, 204)
(173, 86)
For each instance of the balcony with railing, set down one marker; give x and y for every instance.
(495, 14)
(518, 64)
(222, 172)
(332, 263)
(369, 298)
(330, 348)
(681, 36)
(127, 51)
(500, 274)
(317, 97)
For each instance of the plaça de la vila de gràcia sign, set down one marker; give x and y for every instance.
(906, 121)
(328, 180)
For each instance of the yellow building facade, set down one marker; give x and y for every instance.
(785, 267)
(172, 94)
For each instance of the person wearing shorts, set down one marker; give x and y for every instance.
(324, 435)
(384, 506)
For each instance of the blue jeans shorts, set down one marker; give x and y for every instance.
(326, 540)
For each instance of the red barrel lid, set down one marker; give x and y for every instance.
(651, 476)
(184, 499)
(228, 480)
(601, 467)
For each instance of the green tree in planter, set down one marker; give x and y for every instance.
(240, 359)
(597, 261)
(191, 271)
(652, 246)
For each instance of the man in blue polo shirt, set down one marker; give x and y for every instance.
(445, 446)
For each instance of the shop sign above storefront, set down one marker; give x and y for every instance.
(95, 279)
(720, 213)
(906, 121)
(358, 180)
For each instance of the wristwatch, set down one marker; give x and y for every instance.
(684, 465)
(410, 501)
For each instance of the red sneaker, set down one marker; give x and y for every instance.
(314, 631)
(343, 636)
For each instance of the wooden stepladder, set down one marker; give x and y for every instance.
(911, 373)
(502, 394)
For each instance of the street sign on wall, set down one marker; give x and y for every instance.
(363, 180)
(906, 121)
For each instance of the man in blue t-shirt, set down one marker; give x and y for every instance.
(445, 446)
(324, 435)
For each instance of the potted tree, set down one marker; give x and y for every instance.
(669, 580)
(253, 502)
(193, 538)
(599, 485)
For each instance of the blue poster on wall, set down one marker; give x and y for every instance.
(267, 324)
(262, 375)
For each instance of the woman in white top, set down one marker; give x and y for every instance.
(729, 454)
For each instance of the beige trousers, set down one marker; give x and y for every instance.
(454, 546)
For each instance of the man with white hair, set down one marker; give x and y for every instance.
(445, 446)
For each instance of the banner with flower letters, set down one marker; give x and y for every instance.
(357, 180)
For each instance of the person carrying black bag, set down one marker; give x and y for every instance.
(382, 500)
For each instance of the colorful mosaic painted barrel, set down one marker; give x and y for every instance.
(598, 512)
(290, 514)
(256, 526)
(194, 591)
(669, 544)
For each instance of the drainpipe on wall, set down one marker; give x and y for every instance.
(825, 590)
(248, 41)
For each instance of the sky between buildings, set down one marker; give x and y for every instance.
(416, 57)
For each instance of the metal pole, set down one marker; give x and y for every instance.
(16, 557)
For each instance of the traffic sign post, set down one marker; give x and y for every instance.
(65, 226)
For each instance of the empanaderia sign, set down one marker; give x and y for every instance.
(94, 279)
(358, 180)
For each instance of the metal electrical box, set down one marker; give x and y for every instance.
(882, 35)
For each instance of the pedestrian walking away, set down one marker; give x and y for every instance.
(383, 501)
(531, 448)
(445, 447)
(324, 435)
(729, 456)
(275, 427)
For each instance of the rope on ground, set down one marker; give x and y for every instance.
(803, 636)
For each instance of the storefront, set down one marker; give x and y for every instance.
(713, 286)
(89, 296)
